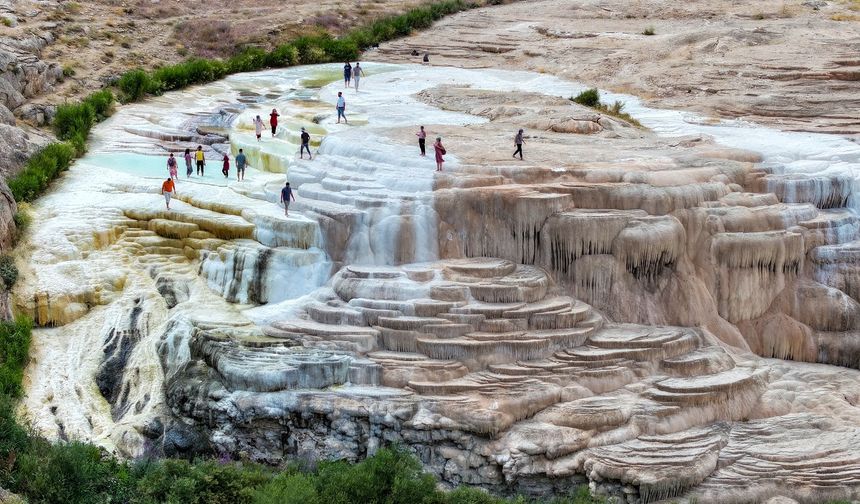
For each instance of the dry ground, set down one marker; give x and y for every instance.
(99, 39)
(793, 64)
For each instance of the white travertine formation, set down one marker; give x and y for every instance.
(597, 312)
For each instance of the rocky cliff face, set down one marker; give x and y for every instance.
(23, 76)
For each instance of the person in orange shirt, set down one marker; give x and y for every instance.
(168, 189)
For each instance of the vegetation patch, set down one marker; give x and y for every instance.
(591, 98)
(40, 170)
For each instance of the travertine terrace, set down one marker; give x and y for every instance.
(667, 312)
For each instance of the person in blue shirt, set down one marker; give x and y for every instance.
(286, 195)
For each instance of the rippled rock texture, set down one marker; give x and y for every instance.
(597, 312)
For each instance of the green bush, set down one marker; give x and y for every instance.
(289, 488)
(72, 473)
(283, 56)
(101, 102)
(134, 84)
(8, 271)
(73, 119)
(40, 170)
(249, 60)
(392, 475)
(14, 348)
(207, 482)
(649, 31)
(589, 98)
(22, 218)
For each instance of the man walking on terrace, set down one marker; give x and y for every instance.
(286, 194)
(518, 142)
(306, 140)
(241, 161)
(341, 107)
(168, 189)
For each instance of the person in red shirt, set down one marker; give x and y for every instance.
(273, 120)
(168, 189)
(225, 169)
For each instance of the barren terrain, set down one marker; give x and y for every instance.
(791, 64)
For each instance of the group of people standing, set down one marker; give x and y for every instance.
(168, 187)
(200, 157)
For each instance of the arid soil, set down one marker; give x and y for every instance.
(96, 40)
(792, 64)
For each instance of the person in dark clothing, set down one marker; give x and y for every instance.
(347, 74)
(306, 140)
(286, 195)
(422, 140)
(225, 168)
(518, 142)
(241, 161)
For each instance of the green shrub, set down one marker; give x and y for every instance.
(40, 170)
(74, 119)
(589, 98)
(283, 56)
(207, 482)
(467, 495)
(288, 488)
(134, 84)
(249, 60)
(101, 102)
(14, 348)
(392, 475)
(22, 217)
(649, 31)
(8, 271)
(73, 473)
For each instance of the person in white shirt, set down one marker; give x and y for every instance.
(341, 105)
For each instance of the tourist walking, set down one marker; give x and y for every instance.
(347, 74)
(422, 140)
(440, 151)
(306, 140)
(341, 107)
(171, 167)
(286, 195)
(225, 168)
(241, 161)
(168, 188)
(357, 73)
(201, 160)
(188, 168)
(258, 127)
(273, 121)
(518, 142)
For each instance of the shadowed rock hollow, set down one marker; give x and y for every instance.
(605, 311)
